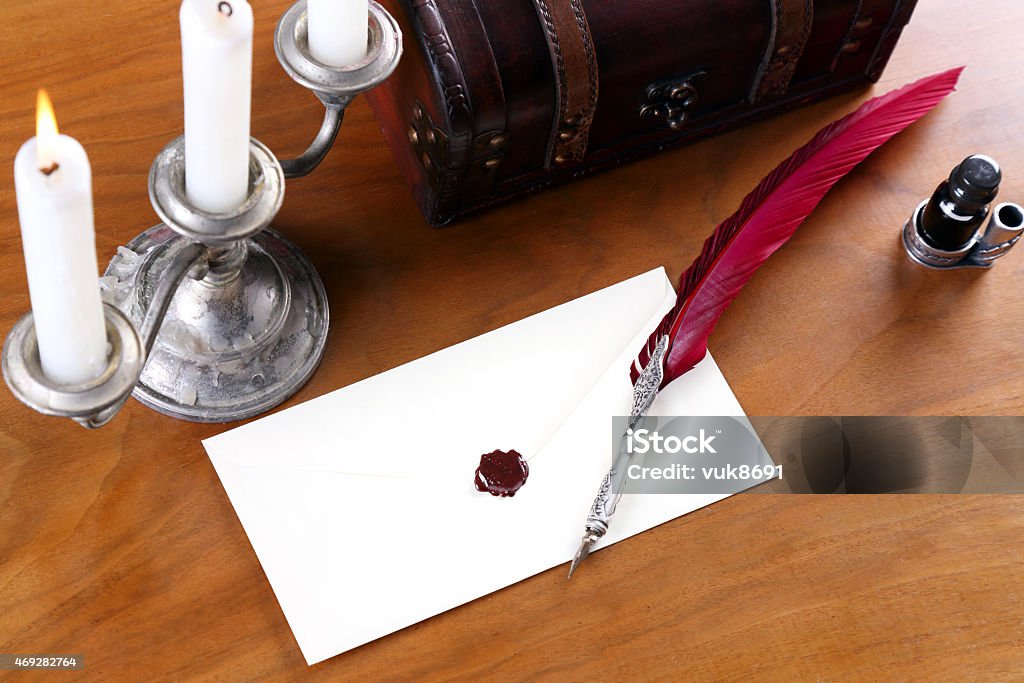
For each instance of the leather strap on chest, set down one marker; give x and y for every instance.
(574, 64)
(791, 27)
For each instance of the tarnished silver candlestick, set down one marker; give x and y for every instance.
(214, 317)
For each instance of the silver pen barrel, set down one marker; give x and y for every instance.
(610, 492)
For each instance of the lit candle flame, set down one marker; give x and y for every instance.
(46, 134)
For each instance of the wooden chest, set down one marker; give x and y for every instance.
(498, 98)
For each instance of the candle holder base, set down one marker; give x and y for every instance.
(236, 342)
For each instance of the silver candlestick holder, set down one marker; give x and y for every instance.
(214, 317)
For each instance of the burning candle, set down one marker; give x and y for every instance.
(338, 31)
(216, 51)
(53, 181)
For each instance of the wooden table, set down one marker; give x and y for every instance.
(121, 544)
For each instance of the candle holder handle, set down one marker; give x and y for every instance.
(334, 115)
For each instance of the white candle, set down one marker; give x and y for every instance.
(338, 31)
(53, 181)
(216, 51)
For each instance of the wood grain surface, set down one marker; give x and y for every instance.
(121, 544)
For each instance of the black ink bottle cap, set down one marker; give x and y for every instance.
(959, 205)
(974, 183)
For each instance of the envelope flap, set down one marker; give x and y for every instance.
(432, 418)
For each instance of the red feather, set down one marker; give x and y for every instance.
(774, 210)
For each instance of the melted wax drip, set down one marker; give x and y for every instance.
(501, 473)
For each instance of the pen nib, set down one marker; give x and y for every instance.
(581, 554)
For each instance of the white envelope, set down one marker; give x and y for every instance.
(360, 504)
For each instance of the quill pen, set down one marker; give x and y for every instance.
(766, 219)
(770, 215)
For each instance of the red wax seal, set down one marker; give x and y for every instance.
(501, 473)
